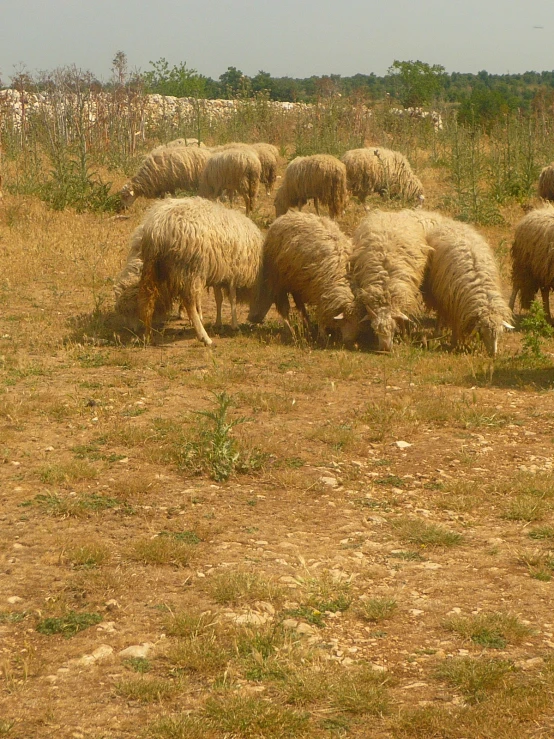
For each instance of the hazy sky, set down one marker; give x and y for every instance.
(284, 37)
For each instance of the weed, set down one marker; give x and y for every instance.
(360, 691)
(375, 610)
(492, 630)
(138, 664)
(542, 532)
(474, 677)
(233, 588)
(162, 550)
(87, 556)
(252, 717)
(68, 625)
(308, 614)
(146, 690)
(535, 328)
(326, 593)
(78, 505)
(416, 531)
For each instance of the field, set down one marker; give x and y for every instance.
(267, 538)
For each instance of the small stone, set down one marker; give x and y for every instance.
(331, 482)
(49, 449)
(107, 626)
(347, 661)
(377, 668)
(51, 678)
(103, 651)
(402, 444)
(416, 612)
(290, 623)
(139, 651)
(303, 628)
(87, 659)
(14, 599)
(254, 619)
(112, 605)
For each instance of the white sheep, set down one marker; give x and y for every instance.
(164, 171)
(321, 177)
(266, 153)
(386, 269)
(189, 244)
(307, 256)
(387, 172)
(546, 182)
(231, 171)
(533, 258)
(462, 283)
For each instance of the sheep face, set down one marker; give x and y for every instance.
(127, 195)
(384, 325)
(349, 326)
(489, 336)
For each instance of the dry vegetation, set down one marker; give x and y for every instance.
(281, 565)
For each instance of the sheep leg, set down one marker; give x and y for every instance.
(283, 309)
(454, 340)
(218, 295)
(148, 295)
(513, 297)
(545, 292)
(316, 205)
(233, 301)
(191, 299)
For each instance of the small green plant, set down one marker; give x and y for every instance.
(492, 630)
(88, 556)
(68, 625)
(138, 664)
(162, 550)
(474, 677)
(146, 690)
(377, 609)
(535, 328)
(416, 531)
(220, 447)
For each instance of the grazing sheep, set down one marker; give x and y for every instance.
(533, 258)
(307, 256)
(186, 142)
(546, 182)
(189, 244)
(387, 267)
(165, 170)
(462, 284)
(321, 177)
(232, 170)
(381, 170)
(266, 153)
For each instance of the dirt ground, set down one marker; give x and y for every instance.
(379, 563)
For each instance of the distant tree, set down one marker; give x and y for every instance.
(262, 82)
(417, 83)
(234, 83)
(178, 81)
(119, 67)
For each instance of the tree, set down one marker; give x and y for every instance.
(417, 83)
(119, 67)
(234, 83)
(178, 81)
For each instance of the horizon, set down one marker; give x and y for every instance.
(291, 40)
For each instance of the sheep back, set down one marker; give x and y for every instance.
(546, 182)
(533, 255)
(321, 177)
(232, 170)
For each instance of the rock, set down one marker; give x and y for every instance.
(252, 619)
(402, 444)
(331, 482)
(107, 626)
(290, 623)
(136, 651)
(14, 599)
(112, 605)
(103, 651)
(303, 628)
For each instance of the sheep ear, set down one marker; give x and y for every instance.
(508, 326)
(402, 316)
(339, 317)
(365, 318)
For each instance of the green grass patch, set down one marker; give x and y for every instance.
(68, 625)
(416, 531)
(491, 630)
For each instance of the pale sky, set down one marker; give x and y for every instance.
(296, 38)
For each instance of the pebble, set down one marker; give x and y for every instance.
(254, 619)
(402, 444)
(331, 482)
(14, 599)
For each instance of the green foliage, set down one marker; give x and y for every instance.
(68, 625)
(178, 80)
(484, 106)
(535, 328)
(417, 83)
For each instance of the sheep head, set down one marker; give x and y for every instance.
(490, 330)
(384, 322)
(127, 195)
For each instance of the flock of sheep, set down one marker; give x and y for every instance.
(394, 259)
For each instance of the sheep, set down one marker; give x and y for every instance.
(381, 170)
(186, 142)
(546, 182)
(462, 283)
(533, 258)
(232, 170)
(266, 153)
(165, 170)
(387, 267)
(189, 244)
(306, 255)
(321, 177)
